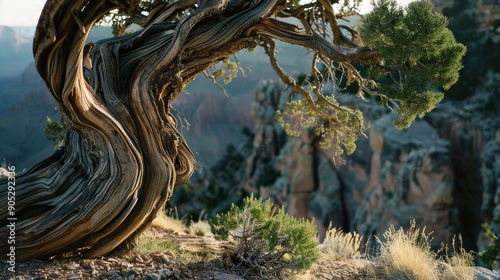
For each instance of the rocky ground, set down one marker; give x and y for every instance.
(159, 265)
(150, 269)
(186, 261)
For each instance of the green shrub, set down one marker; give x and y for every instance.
(269, 243)
(492, 254)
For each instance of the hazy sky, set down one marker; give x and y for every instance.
(26, 12)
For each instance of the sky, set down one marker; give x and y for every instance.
(26, 12)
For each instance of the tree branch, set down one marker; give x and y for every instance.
(291, 34)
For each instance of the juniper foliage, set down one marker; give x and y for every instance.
(492, 254)
(419, 40)
(269, 242)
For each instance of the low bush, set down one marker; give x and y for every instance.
(270, 243)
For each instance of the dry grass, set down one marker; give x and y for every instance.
(195, 241)
(339, 245)
(147, 245)
(200, 228)
(169, 222)
(456, 266)
(407, 255)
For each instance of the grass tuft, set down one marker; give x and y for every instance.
(408, 255)
(200, 228)
(339, 245)
(456, 265)
(169, 222)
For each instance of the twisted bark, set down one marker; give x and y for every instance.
(122, 155)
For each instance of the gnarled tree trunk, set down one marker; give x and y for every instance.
(122, 155)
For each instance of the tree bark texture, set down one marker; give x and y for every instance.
(122, 155)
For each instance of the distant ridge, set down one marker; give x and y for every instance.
(15, 52)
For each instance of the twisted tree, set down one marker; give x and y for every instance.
(122, 154)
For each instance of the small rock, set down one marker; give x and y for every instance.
(126, 265)
(165, 273)
(74, 277)
(482, 273)
(153, 276)
(225, 276)
(187, 274)
(113, 275)
(177, 272)
(138, 258)
(73, 266)
(53, 276)
(130, 273)
(87, 264)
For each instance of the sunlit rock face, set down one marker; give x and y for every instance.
(402, 175)
(430, 172)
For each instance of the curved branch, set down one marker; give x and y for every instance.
(270, 49)
(290, 34)
(321, 97)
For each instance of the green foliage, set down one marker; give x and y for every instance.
(55, 132)
(267, 241)
(492, 254)
(340, 136)
(228, 71)
(418, 40)
(293, 4)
